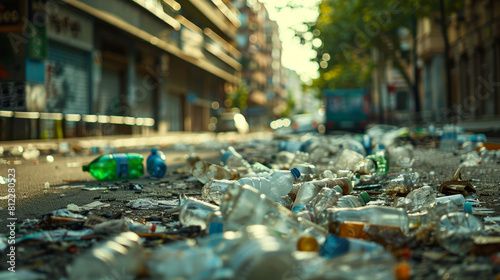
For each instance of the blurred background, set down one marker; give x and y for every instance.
(84, 68)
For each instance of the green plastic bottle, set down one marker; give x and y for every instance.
(382, 162)
(116, 166)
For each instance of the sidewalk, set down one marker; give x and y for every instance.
(131, 141)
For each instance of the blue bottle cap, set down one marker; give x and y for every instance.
(214, 228)
(295, 172)
(225, 156)
(154, 151)
(298, 208)
(468, 207)
(334, 246)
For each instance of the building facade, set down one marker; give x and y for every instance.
(78, 68)
(473, 60)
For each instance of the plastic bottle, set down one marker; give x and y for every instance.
(196, 212)
(454, 232)
(184, 260)
(214, 190)
(217, 172)
(116, 166)
(325, 199)
(290, 146)
(249, 207)
(260, 255)
(336, 246)
(418, 200)
(205, 172)
(351, 201)
(309, 190)
(403, 184)
(332, 218)
(365, 166)
(347, 160)
(458, 200)
(381, 162)
(275, 186)
(120, 257)
(449, 141)
(233, 160)
(366, 141)
(307, 171)
(378, 264)
(155, 163)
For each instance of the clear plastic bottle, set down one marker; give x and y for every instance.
(196, 213)
(332, 218)
(184, 260)
(248, 207)
(457, 199)
(418, 200)
(325, 199)
(309, 190)
(233, 160)
(200, 169)
(121, 257)
(155, 164)
(205, 172)
(377, 264)
(455, 230)
(275, 186)
(352, 201)
(262, 255)
(214, 190)
(449, 141)
(403, 184)
(307, 172)
(217, 172)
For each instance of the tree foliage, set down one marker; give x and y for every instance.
(350, 29)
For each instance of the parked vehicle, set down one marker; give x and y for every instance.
(346, 109)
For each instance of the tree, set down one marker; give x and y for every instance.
(350, 29)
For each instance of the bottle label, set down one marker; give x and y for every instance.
(122, 168)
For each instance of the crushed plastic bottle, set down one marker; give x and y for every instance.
(116, 166)
(196, 213)
(455, 230)
(233, 160)
(325, 199)
(352, 201)
(309, 190)
(403, 184)
(418, 200)
(278, 184)
(155, 163)
(248, 207)
(118, 258)
(185, 260)
(214, 190)
(206, 171)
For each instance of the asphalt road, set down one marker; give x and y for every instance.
(67, 180)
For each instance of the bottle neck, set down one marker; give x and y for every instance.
(415, 220)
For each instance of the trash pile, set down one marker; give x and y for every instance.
(309, 207)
